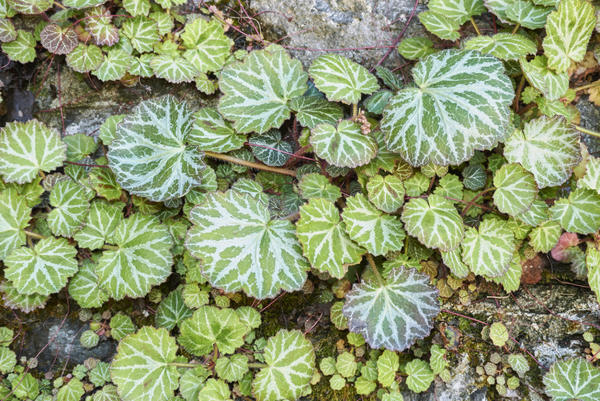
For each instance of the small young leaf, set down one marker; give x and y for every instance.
(420, 375)
(580, 213)
(232, 369)
(498, 334)
(415, 48)
(344, 145)
(346, 365)
(545, 236)
(211, 132)
(527, 14)
(142, 32)
(387, 365)
(172, 311)
(22, 49)
(102, 219)
(174, 68)
(85, 58)
(315, 185)
(552, 84)
(489, 250)
(85, 288)
(440, 25)
(120, 326)
(113, 66)
(515, 189)
(460, 10)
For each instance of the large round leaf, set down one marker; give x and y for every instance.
(489, 250)
(142, 257)
(258, 90)
(142, 368)
(573, 379)
(212, 132)
(71, 205)
(290, 360)
(28, 148)
(546, 147)
(460, 103)
(324, 240)
(515, 189)
(344, 145)
(151, 154)
(579, 213)
(434, 221)
(242, 248)
(42, 270)
(395, 313)
(14, 218)
(206, 44)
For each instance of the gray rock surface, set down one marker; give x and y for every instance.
(334, 24)
(590, 119)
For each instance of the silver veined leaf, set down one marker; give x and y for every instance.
(270, 149)
(515, 189)
(579, 213)
(460, 10)
(420, 375)
(30, 6)
(8, 33)
(142, 368)
(153, 154)
(113, 66)
(344, 145)
(536, 214)
(395, 313)
(290, 360)
(415, 48)
(73, 390)
(58, 40)
(142, 33)
(527, 14)
(341, 79)
(85, 287)
(314, 110)
(511, 279)
(242, 248)
(440, 25)
(453, 259)
(71, 203)
(102, 219)
(42, 270)
(573, 379)
(206, 44)
(137, 7)
(172, 311)
(28, 148)
(22, 49)
(377, 101)
(386, 193)
(552, 84)
(505, 46)
(99, 24)
(434, 221)
(211, 132)
(82, 3)
(14, 218)
(214, 390)
(591, 178)
(85, 58)
(568, 31)
(324, 240)
(141, 257)
(12, 299)
(459, 105)
(315, 185)
(547, 147)
(371, 228)
(140, 66)
(488, 250)
(545, 236)
(232, 369)
(257, 91)
(592, 262)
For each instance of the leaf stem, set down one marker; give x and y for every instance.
(586, 131)
(258, 166)
(56, 3)
(516, 28)
(588, 86)
(354, 110)
(472, 202)
(519, 90)
(33, 235)
(257, 365)
(375, 270)
(475, 26)
(184, 365)
(110, 247)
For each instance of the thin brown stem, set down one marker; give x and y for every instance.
(258, 166)
(518, 96)
(472, 202)
(586, 131)
(475, 26)
(588, 86)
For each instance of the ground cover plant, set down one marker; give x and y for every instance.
(380, 191)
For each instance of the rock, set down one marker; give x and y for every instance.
(333, 24)
(64, 346)
(590, 119)
(19, 105)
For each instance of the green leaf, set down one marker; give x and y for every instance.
(85, 288)
(314, 110)
(568, 31)
(137, 7)
(12, 299)
(515, 189)
(28, 148)
(8, 33)
(552, 84)
(437, 361)
(206, 43)
(30, 6)
(341, 79)
(434, 222)
(270, 149)
(14, 218)
(545, 236)
(214, 390)
(573, 379)
(172, 311)
(232, 369)
(537, 213)
(71, 205)
(142, 32)
(415, 48)
(242, 248)
(498, 334)
(79, 146)
(8, 360)
(420, 375)
(459, 105)
(113, 66)
(42, 270)
(324, 240)
(460, 10)
(153, 153)
(72, 391)
(592, 261)
(58, 40)
(85, 58)
(387, 365)
(174, 68)
(82, 3)
(257, 91)
(99, 25)
(547, 147)
(346, 364)
(378, 232)
(518, 363)
(210, 326)
(22, 49)
(142, 257)
(315, 185)
(505, 46)
(249, 316)
(211, 132)
(527, 14)
(120, 326)
(142, 368)
(102, 219)
(488, 251)
(395, 313)
(440, 25)
(290, 360)
(344, 145)
(377, 101)
(591, 178)
(386, 193)
(580, 213)
(453, 260)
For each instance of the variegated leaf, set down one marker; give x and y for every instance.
(552, 84)
(14, 218)
(580, 213)
(488, 250)
(102, 219)
(505, 46)
(142, 33)
(591, 178)
(387, 193)
(344, 145)
(545, 236)
(85, 287)
(573, 379)
(515, 189)
(58, 40)
(174, 68)
(314, 110)
(113, 66)
(206, 43)
(85, 58)
(211, 132)
(71, 205)
(440, 25)
(460, 10)
(527, 14)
